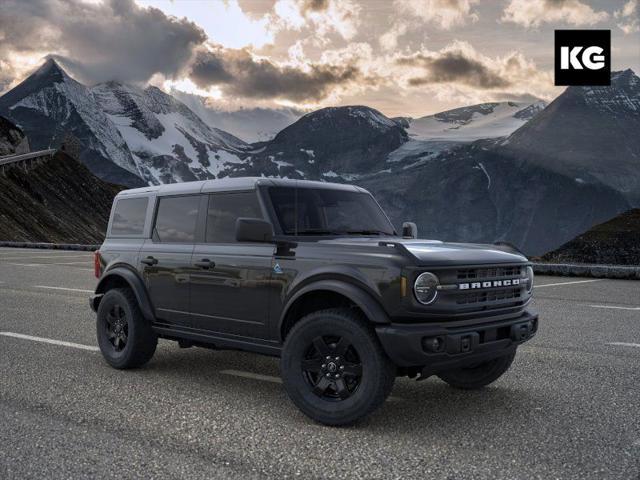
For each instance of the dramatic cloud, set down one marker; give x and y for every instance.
(459, 70)
(627, 17)
(443, 13)
(323, 17)
(532, 13)
(389, 40)
(114, 39)
(239, 73)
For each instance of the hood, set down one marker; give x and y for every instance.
(436, 253)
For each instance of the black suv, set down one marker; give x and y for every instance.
(311, 272)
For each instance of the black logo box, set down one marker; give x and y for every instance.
(584, 39)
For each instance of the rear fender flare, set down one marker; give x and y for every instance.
(134, 282)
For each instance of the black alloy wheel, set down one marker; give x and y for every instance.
(126, 339)
(332, 367)
(117, 327)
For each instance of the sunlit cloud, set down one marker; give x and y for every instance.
(532, 13)
(627, 17)
(445, 14)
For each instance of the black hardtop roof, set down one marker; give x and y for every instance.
(231, 184)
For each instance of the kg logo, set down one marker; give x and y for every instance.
(583, 57)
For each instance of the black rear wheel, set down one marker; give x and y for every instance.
(334, 368)
(125, 338)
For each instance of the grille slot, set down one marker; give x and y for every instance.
(492, 272)
(489, 296)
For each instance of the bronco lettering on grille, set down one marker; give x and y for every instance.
(490, 284)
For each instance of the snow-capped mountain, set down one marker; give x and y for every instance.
(250, 124)
(130, 136)
(466, 124)
(573, 165)
(334, 143)
(591, 134)
(49, 105)
(168, 141)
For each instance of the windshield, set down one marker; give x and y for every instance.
(318, 211)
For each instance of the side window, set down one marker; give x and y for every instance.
(128, 216)
(176, 219)
(224, 210)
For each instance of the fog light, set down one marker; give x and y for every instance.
(433, 344)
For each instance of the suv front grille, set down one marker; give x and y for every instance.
(492, 272)
(490, 296)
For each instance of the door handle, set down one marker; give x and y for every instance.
(149, 261)
(205, 263)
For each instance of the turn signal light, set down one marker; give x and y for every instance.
(97, 264)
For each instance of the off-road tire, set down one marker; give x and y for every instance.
(377, 372)
(478, 376)
(141, 340)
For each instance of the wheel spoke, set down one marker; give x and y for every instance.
(123, 337)
(342, 346)
(116, 341)
(321, 346)
(352, 369)
(110, 318)
(110, 334)
(321, 386)
(312, 365)
(341, 388)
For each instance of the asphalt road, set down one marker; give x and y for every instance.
(568, 408)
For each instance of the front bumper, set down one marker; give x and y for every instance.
(443, 346)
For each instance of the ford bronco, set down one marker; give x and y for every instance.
(313, 273)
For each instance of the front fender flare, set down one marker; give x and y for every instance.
(135, 283)
(369, 305)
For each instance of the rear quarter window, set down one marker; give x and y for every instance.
(176, 219)
(128, 216)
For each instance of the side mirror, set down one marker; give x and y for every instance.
(409, 230)
(253, 230)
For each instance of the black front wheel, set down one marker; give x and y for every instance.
(334, 368)
(125, 338)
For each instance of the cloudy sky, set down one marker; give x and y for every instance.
(403, 57)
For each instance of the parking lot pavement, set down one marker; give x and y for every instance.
(568, 408)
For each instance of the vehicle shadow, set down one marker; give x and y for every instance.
(428, 404)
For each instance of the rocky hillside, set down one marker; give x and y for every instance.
(12, 140)
(58, 201)
(616, 242)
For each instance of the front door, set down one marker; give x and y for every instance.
(231, 281)
(166, 258)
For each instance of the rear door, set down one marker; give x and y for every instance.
(231, 281)
(166, 257)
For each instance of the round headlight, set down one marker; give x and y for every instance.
(425, 288)
(529, 279)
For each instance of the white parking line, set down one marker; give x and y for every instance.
(50, 341)
(50, 265)
(64, 288)
(567, 283)
(614, 307)
(253, 376)
(624, 344)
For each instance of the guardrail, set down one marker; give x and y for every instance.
(27, 159)
(50, 246)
